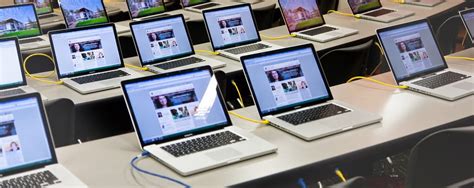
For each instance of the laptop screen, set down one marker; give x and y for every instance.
(467, 17)
(142, 8)
(80, 13)
(285, 79)
(231, 26)
(360, 6)
(411, 50)
(301, 14)
(42, 6)
(86, 50)
(162, 39)
(24, 142)
(188, 3)
(11, 74)
(19, 21)
(174, 105)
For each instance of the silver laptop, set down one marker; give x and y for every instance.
(198, 5)
(373, 10)
(181, 119)
(27, 155)
(81, 13)
(426, 3)
(44, 9)
(88, 59)
(12, 76)
(233, 32)
(163, 45)
(303, 18)
(21, 21)
(467, 17)
(291, 91)
(416, 61)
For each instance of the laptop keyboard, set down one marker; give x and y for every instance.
(313, 114)
(155, 16)
(207, 5)
(40, 179)
(202, 143)
(29, 40)
(441, 80)
(100, 77)
(179, 63)
(319, 30)
(48, 16)
(249, 48)
(11, 92)
(379, 12)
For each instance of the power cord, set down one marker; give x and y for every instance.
(265, 122)
(376, 81)
(146, 154)
(136, 67)
(40, 78)
(278, 37)
(240, 99)
(381, 62)
(340, 174)
(344, 14)
(207, 51)
(460, 57)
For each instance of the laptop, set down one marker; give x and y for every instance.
(163, 44)
(291, 91)
(181, 119)
(28, 158)
(12, 77)
(372, 10)
(198, 5)
(415, 60)
(303, 18)
(426, 3)
(81, 13)
(233, 32)
(88, 59)
(44, 9)
(467, 17)
(21, 21)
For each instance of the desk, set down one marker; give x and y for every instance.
(404, 112)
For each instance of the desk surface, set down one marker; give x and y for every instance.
(404, 112)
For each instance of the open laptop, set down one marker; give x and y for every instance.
(303, 18)
(233, 32)
(21, 21)
(426, 3)
(181, 119)
(467, 17)
(163, 44)
(373, 10)
(12, 77)
(81, 13)
(27, 157)
(198, 5)
(291, 91)
(416, 61)
(44, 9)
(88, 59)
(139, 10)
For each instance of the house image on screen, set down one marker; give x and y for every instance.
(13, 25)
(301, 14)
(143, 4)
(83, 14)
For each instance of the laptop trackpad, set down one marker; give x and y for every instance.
(465, 86)
(223, 154)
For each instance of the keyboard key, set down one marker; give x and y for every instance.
(379, 12)
(100, 77)
(439, 80)
(179, 63)
(313, 114)
(249, 48)
(11, 92)
(319, 30)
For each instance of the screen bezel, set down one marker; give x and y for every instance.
(131, 24)
(298, 30)
(53, 51)
(461, 14)
(292, 107)
(182, 4)
(47, 130)
(419, 74)
(36, 16)
(130, 12)
(67, 24)
(178, 135)
(361, 12)
(50, 6)
(20, 59)
(205, 11)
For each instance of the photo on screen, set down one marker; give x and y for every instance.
(42, 6)
(187, 3)
(163, 42)
(141, 8)
(11, 150)
(19, 21)
(301, 14)
(413, 53)
(80, 13)
(7, 125)
(87, 53)
(358, 6)
(232, 29)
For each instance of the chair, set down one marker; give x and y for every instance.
(447, 33)
(264, 16)
(325, 6)
(197, 31)
(61, 116)
(442, 159)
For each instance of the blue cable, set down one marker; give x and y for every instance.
(145, 154)
(301, 183)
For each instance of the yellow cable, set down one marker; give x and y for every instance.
(345, 14)
(265, 122)
(382, 54)
(136, 67)
(340, 174)
(399, 1)
(241, 102)
(376, 81)
(278, 38)
(380, 48)
(39, 78)
(459, 57)
(207, 51)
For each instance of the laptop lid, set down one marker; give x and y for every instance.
(161, 39)
(11, 71)
(175, 105)
(140, 8)
(361, 6)
(231, 26)
(286, 79)
(80, 13)
(19, 21)
(189, 3)
(301, 14)
(86, 50)
(411, 50)
(25, 137)
(467, 17)
(42, 6)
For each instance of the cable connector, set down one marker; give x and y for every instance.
(358, 16)
(136, 67)
(278, 37)
(376, 81)
(340, 174)
(265, 122)
(207, 51)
